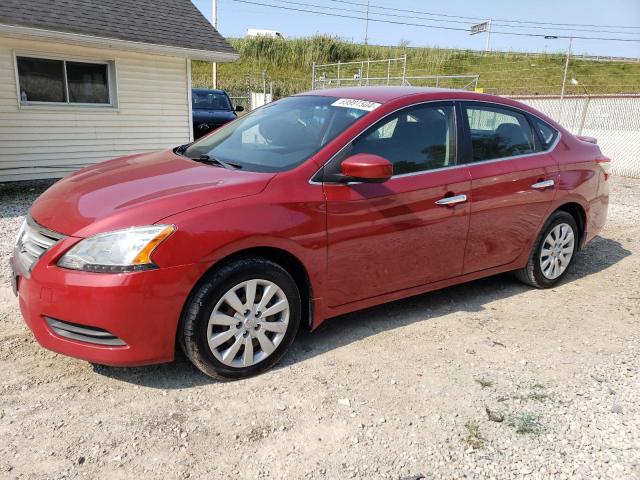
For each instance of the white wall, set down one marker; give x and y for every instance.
(613, 120)
(152, 113)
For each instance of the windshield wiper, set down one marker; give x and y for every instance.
(216, 161)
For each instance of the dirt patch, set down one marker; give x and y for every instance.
(401, 390)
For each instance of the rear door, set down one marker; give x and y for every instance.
(391, 236)
(513, 183)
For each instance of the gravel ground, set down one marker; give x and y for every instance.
(490, 379)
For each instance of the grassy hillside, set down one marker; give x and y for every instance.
(288, 65)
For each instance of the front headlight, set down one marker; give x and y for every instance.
(127, 250)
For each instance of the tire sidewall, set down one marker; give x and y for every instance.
(556, 219)
(211, 292)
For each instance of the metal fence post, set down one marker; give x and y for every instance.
(368, 69)
(585, 108)
(404, 69)
(313, 76)
(338, 73)
(389, 72)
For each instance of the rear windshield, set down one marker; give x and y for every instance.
(280, 135)
(210, 101)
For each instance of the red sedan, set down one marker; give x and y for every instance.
(310, 207)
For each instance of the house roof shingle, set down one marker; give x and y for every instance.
(175, 23)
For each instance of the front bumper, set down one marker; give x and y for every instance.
(141, 309)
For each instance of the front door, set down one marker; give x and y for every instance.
(391, 236)
(513, 183)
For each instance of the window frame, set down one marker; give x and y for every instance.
(322, 176)
(111, 81)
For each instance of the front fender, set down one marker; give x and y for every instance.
(208, 234)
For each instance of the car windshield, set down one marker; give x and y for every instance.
(280, 135)
(203, 100)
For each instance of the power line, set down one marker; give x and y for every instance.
(484, 18)
(439, 27)
(466, 22)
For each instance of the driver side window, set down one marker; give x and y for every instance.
(414, 139)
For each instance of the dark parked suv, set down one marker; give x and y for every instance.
(211, 109)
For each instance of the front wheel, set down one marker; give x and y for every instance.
(241, 319)
(553, 252)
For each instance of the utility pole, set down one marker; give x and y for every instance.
(366, 24)
(214, 23)
(566, 68)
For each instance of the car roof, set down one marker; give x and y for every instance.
(386, 93)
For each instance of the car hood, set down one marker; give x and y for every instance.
(213, 116)
(138, 190)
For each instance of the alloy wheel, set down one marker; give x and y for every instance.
(557, 251)
(248, 323)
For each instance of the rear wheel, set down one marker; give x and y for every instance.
(241, 319)
(553, 252)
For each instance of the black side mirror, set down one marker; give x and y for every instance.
(239, 108)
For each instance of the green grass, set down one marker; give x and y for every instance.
(288, 64)
(484, 382)
(525, 422)
(474, 438)
(538, 396)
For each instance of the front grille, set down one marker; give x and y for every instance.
(84, 333)
(32, 243)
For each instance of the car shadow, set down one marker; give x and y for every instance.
(600, 254)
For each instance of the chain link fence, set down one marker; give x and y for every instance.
(613, 119)
(390, 71)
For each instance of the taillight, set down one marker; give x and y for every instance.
(605, 165)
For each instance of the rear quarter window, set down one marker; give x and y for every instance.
(546, 132)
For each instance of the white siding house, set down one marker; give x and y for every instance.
(69, 100)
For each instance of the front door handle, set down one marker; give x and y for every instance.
(542, 184)
(449, 201)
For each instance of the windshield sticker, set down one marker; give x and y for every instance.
(357, 104)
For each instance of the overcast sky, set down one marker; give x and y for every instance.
(234, 18)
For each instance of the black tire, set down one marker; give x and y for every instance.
(532, 273)
(195, 318)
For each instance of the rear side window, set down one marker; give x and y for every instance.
(547, 133)
(498, 133)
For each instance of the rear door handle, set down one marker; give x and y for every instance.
(448, 201)
(543, 184)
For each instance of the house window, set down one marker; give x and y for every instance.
(44, 80)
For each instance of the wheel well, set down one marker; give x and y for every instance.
(579, 215)
(290, 263)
